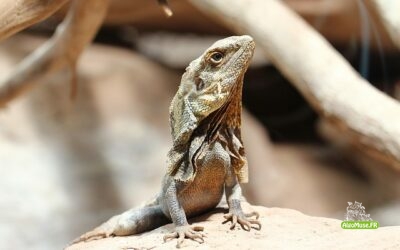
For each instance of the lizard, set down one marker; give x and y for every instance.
(207, 157)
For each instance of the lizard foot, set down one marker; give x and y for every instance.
(243, 220)
(105, 230)
(182, 232)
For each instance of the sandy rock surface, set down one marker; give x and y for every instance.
(282, 229)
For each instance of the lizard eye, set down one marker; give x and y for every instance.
(216, 57)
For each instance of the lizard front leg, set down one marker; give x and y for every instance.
(182, 228)
(236, 215)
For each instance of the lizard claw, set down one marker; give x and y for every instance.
(243, 220)
(182, 232)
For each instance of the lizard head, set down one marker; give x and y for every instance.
(209, 100)
(210, 82)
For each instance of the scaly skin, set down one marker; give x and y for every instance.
(207, 156)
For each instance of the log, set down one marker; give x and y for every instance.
(334, 89)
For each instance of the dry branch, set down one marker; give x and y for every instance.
(62, 50)
(17, 15)
(389, 13)
(370, 118)
(164, 5)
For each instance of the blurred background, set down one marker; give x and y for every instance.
(69, 164)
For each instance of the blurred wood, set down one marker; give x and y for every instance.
(164, 5)
(149, 16)
(388, 11)
(339, 21)
(384, 181)
(370, 118)
(344, 22)
(62, 50)
(17, 15)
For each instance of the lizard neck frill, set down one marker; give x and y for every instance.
(224, 125)
(230, 133)
(233, 114)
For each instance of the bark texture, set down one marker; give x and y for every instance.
(17, 15)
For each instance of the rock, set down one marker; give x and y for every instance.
(282, 229)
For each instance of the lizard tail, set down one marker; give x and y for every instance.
(134, 221)
(139, 220)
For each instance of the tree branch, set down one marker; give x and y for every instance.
(367, 116)
(17, 15)
(62, 50)
(388, 11)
